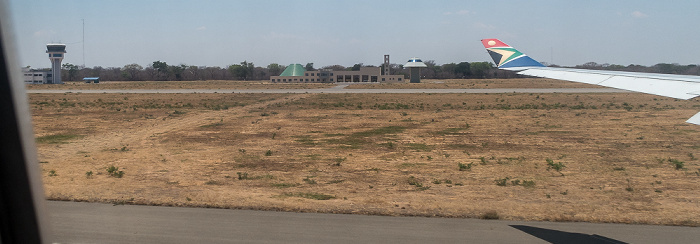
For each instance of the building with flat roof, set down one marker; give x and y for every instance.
(295, 73)
(91, 80)
(37, 76)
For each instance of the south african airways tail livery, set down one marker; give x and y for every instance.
(675, 86)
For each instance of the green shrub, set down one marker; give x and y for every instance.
(556, 166)
(463, 167)
(528, 183)
(414, 182)
(677, 163)
(483, 160)
(115, 172)
(502, 182)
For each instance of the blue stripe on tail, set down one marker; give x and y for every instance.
(522, 61)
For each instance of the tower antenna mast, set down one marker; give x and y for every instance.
(83, 43)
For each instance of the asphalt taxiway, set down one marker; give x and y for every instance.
(78, 222)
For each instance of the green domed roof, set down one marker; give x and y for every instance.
(294, 70)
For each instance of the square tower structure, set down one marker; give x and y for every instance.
(56, 52)
(387, 65)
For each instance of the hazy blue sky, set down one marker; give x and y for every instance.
(220, 33)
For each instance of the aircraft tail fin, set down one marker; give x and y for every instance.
(507, 57)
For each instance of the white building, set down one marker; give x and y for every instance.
(37, 76)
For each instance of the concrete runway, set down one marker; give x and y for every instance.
(75, 222)
(340, 89)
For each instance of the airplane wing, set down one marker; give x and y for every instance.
(675, 86)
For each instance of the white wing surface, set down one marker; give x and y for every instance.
(675, 86)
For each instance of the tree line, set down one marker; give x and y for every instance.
(662, 68)
(161, 71)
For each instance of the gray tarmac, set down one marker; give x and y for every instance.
(77, 222)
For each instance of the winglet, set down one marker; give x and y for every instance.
(507, 57)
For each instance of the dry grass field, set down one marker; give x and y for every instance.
(624, 157)
(227, 84)
(476, 84)
(210, 84)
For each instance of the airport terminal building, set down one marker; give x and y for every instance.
(295, 73)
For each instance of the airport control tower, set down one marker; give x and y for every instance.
(56, 52)
(414, 64)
